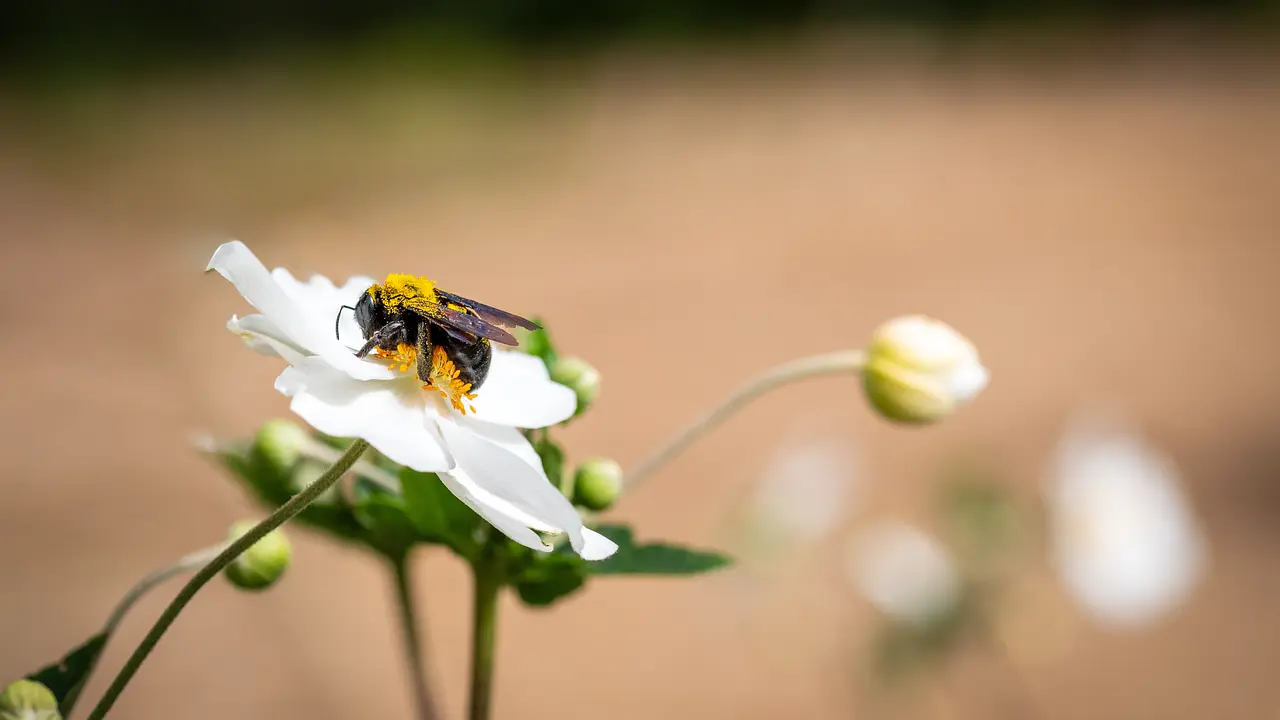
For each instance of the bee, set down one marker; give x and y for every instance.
(408, 311)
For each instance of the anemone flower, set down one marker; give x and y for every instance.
(1125, 541)
(472, 440)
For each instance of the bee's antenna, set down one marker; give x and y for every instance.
(338, 320)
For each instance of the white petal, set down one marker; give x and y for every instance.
(318, 297)
(263, 337)
(510, 478)
(596, 546)
(304, 327)
(1125, 538)
(519, 393)
(390, 415)
(967, 380)
(508, 438)
(498, 513)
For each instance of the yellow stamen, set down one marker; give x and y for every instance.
(444, 380)
(403, 357)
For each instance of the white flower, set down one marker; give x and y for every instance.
(904, 572)
(480, 456)
(920, 370)
(804, 491)
(1125, 541)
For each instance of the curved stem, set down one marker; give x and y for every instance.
(184, 564)
(487, 573)
(422, 698)
(283, 514)
(838, 362)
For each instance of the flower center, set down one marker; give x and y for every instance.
(444, 380)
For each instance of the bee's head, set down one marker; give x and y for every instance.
(369, 315)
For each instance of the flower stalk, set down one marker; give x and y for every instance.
(283, 514)
(843, 362)
(424, 703)
(487, 575)
(184, 564)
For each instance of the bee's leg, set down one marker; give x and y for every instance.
(392, 333)
(425, 350)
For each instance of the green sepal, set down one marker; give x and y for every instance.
(552, 456)
(549, 577)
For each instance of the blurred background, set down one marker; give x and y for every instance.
(689, 192)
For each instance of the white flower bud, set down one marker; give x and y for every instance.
(919, 370)
(597, 483)
(28, 700)
(578, 375)
(263, 563)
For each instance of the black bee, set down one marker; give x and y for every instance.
(411, 311)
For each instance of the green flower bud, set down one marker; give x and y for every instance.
(919, 370)
(307, 472)
(28, 700)
(263, 563)
(597, 483)
(535, 342)
(578, 375)
(279, 443)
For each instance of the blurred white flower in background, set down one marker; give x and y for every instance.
(1124, 538)
(805, 489)
(904, 572)
(804, 492)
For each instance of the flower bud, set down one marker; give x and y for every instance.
(597, 483)
(263, 563)
(279, 443)
(578, 375)
(28, 700)
(919, 370)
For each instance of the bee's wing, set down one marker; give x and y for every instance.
(451, 319)
(490, 314)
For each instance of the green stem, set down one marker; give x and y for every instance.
(283, 514)
(487, 573)
(136, 593)
(843, 362)
(422, 698)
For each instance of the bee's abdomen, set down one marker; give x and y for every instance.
(472, 359)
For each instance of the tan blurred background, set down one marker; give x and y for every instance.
(1098, 212)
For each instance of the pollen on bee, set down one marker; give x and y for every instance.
(402, 358)
(445, 381)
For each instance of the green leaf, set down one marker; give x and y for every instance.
(904, 648)
(386, 523)
(438, 514)
(984, 523)
(68, 675)
(550, 577)
(652, 559)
